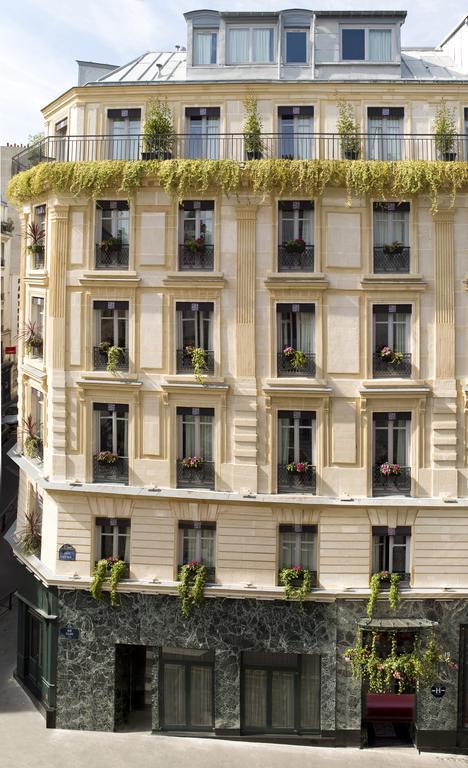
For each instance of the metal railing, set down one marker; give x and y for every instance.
(106, 259)
(210, 572)
(286, 367)
(391, 485)
(398, 261)
(295, 261)
(382, 369)
(200, 259)
(203, 477)
(296, 482)
(38, 258)
(110, 473)
(232, 146)
(184, 362)
(100, 359)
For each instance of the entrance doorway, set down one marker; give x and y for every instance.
(389, 719)
(133, 687)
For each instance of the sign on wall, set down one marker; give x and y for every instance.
(69, 632)
(67, 552)
(438, 691)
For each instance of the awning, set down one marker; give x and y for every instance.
(396, 623)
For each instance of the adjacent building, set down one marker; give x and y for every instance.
(10, 270)
(333, 336)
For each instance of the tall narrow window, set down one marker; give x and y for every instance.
(198, 543)
(391, 237)
(195, 462)
(391, 550)
(112, 228)
(298, 546)
(392, 472)
(296, 46)
(392, 340)
(61, 143)
(295, 339)
(296, 129)
(195, 336)
(196, 235)
(33, 440)
(186, 689)
(37, 237)
(296, 236)
(203, 133)
(111, 350)
(124, 129)
(113, 538)
(204, 47)
(111, 435)
(385, 128)
(34, 342)
(296, 440)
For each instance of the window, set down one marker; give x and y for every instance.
(295, 339)
(281, 692)
(391, 550)
(392, 473)
(60, 142)
(33, 649)
(392, 340)
(113, 538)
(296, 46)
(195, 464)
(111, 318)
(250, 45)
(36, 246)
(111, 457)
(35, 334)
(203, 130)
(391, 237)
(298, 546)
(296, 126)
(296, 441)
(112, 228)
(196, 235)
(385, 129)
(366, 44)
(194, 332)
(197, 542)
(37, 411)
(186, 689)
(124, 127)
(204, 47)
(295, 236)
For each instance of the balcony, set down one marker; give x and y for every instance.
(184, 362)
(110, 473)
(203, 477)
(100, 359)
(201, 260)
(231, 146)
(38, 257)
(112, 259)
(295, 261)
(392, 485)
(384, 369)
(396, 262)
(296, 482)
(210, 572)
(286, 365)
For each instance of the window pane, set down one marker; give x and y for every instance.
(201, 696)
(123, 548)
(174, 695)
(255, 695)
(310, 692)
(208, 547)
(105, 432)
(399, 558)
(262, 45)
(352, 44)
(239, 46)
(307, 539)
(107, 541)
(296, 47)
(380, 45)
(122, 423)
(189, 545)
(288, 549)
(282, 700)
(204, 48)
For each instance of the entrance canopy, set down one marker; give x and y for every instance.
(396, 623)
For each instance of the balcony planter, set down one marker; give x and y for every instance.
(111, 570)
(297, 583)
(348, 131)
(253, 142)
(193, 462)
(112, 245)
(114, 355)
(393, 249)
(296, 358)
(196, 246)
(29, 537)
(388, 355)
(158, 131)
(106, 457)
(198, 359)
(192, 577)
(36, 235)
(32, 442)
(445, 131)
(389, 470)
(295, 246)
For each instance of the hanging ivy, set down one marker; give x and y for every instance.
(191, 589)
(397, 180)
(376, 580)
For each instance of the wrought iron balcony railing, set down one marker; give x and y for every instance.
(295, 261)
(100, 359)
(383, 369)
(296, 482)
(191, 260)
(110, 473)
(286, 365)
(231, 146)
(38, 258)
(184, 362)
(108, 259)
(203, 477)
(398, 261)
(391, 485)
(210, 572)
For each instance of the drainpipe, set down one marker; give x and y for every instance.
(280, 36)
(313, 46)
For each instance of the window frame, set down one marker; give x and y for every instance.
(200, 208)
(116, 413)
(389, 534)
(294, 320)
(180, 414)
(98, 317)
(115, 524)
(213, 48)
(367, 29)
(300, 210)
(198, 527)
(188, 662)
(306, 32)
(297, 531)
(391, 326)
(251, 28)
(406, 415)
(200, 317)
(296, 416)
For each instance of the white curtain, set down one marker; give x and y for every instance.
(380, 45)
(262, 45)
(303, 143)
(282, 699)
(288, 549)
(310, 692)
(189, 544)
(239, 46)
(384, 140)
(208, 547)
(206, 437)
(308, 550)
(305, 331)
(201, 705)
(400, 332)
(174, 695)
(286, 439)
(212, 140)
(255, 696)
(202, 47)
(189, 448)
(390, 226)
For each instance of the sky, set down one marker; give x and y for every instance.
(40, 41)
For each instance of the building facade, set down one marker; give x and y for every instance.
(325, 420)
(10, 270)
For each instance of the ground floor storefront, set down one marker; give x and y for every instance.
(251, 669)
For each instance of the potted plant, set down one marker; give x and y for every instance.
(348, 131)
(297, 582)
(35, 233)
(29, 537)
(297, 467)
(158, 131)
(445, 131)
(113, 353)
(389, 355)
(197, 245)
(253, 143)
(109, 569)
(112, 245)
(393, 249)
(32, 442)
(295, 357)
(295, 246)
(193, 462)
(387, 469)
(33, 341)
(106, 457)
(192, 577)
(198, 360)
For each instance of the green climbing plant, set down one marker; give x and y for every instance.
(114, 355)
(297, 583)
(192, 577)
(108, 570)
(198, 360)
(375, 583)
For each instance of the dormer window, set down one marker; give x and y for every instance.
(204, 47)
(366, 44)
(296, 46)
(250, 45)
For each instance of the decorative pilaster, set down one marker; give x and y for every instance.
(245, 299)
(58, 252)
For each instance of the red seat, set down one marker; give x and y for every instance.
(393, 707)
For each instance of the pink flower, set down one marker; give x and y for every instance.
(288, 351)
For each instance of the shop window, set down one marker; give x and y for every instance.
(186, 689)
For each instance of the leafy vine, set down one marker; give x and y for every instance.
(109, 570)
(288, 576)
(191, 589)
(394, 592)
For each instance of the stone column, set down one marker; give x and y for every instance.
(55, 453)
(227, 691)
